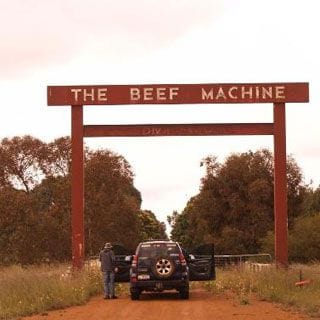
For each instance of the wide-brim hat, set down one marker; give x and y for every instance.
(108, 245)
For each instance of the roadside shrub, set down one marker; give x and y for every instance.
(304, 240)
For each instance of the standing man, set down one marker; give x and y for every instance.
(108, 269)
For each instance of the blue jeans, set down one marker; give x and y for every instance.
(108, 282)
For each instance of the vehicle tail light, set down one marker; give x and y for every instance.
(182, 259)
(134, 261)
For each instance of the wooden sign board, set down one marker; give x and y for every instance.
(178, 94)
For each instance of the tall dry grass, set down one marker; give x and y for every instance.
(25, 291)
(274, 285)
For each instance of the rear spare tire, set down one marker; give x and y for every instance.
(163, 267)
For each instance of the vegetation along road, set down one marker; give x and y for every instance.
(202, 305)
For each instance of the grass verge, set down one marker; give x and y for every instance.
(274, 285)
(26, 291)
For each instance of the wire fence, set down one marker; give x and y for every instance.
(226, 260)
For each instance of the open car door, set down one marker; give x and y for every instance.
(123, 263)
(201, 263)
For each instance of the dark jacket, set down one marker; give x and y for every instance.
(107, 259)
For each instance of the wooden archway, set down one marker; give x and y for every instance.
(276, 93)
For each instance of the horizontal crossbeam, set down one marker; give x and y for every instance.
(155, 130)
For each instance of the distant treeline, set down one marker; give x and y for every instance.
(35, 222)
(234, 208)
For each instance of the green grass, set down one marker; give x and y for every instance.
(274, 285)
(25, 291)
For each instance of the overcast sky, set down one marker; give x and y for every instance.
(62, 42)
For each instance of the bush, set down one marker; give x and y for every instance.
(304, 240)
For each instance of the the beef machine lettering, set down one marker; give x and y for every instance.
(178, 93)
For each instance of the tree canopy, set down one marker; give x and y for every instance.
(150, 227)
(234, 207)
(35, 201)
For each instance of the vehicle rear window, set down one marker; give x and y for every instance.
(151, 250)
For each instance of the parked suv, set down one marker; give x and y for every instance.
(163, 265)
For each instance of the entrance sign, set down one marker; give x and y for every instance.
(276, 93)
(178, 94)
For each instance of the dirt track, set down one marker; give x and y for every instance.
(167, 306)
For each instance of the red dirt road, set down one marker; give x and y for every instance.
(202, 305)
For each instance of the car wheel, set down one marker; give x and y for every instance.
(135, 295)
(184, 293)
(163, 267)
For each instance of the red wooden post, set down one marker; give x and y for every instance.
(77, 187)
(280, 185)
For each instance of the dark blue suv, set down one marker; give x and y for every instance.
(163, 265)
